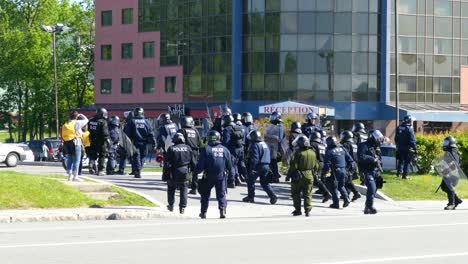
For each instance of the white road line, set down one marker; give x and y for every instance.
(393, 259)
(256, 234)
(113, 225)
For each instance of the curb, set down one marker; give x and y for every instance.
(379, 195)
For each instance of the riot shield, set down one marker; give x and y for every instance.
(167, 143)
(207, 124)
(448, 169)
(272, 139)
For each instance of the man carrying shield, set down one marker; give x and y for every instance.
(448, 168)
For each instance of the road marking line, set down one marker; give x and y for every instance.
(228, 221)
(256, 234)
(392, 259)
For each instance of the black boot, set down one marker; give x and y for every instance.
(170, 208)
(237, 182)
(193, 191)
(181, 210)
(247, 199)
(457, 201)
(273, 199)
(370, 210)
(450, 207)
(326, 198)
(334, 206)
(345, 203)
(222, 213)
(202, 215)
(296, 213)
(356, 196)
(137, 175)
(307, 212)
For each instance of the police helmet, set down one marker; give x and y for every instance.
(139, 112)
(275, 117)
(375, 137)
(359, 128)
(311, 116)
(316, 137)
(101, 112)
(295, 125)
(247, 118)
(214, 137)
(178, 138)
(226, 111)
(115, 121)
(449, 143)
(408, 120)
(346, 136)
(255, 136)
(165, 118)
(129, 116)
(237, 117)
(301, 141)
(331, 141)
(227, 120)
(187, 121)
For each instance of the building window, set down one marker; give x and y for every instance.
(106, 86)
(127, 16)
(170, 84)
(106, 18)
(148, 85)
(126, 86)
(148, 49)
(127, 50)
(106, 52)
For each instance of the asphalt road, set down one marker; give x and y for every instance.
(406, 237)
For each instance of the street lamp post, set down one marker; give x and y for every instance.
(328, 55)
(397, 90)
(57, 29)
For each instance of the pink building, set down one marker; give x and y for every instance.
(127, 64)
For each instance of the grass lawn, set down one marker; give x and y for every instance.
(420, 187)
(23, 191)
(152, 169)
(4, 136)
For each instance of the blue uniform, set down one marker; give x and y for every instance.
(215, 162)
(114, 136)
(405, 142)
(180, 158)
(275, 157)
(164, 132)
(140, 132)
(233, 140)
(308, 129)
(259, 161)
(368, 161)
(338, 160)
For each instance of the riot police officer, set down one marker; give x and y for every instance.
(449, 146)
(311, 125)
(347, 141)
(274, 142)
(232, 139)
(193, 140)
(337, 160)
(215, 162)
(406, 146)
(140, 132)
(295, 131)
(179, 160)
(370, 162)
(218, 122)
(241, 168)
(247, 121)
(126, 150)
(114, 136)
(359, 133)
(99, 138)
(319, 149)
(301, 168)
(166, 132)
(259, 167)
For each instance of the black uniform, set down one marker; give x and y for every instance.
(352, 174)
(319, 150)
(194, 141)
(447, 184)
(179, 160)
(99, 138)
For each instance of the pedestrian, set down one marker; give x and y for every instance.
(311, 125)
(179, 159)
(72, 143)
(140, 132)
(258, 167)
(369, 161)
(301, 168)
(274, 137)
(337, 161)
(99, 138)
(319, 149)
(232, 139)
(406, 146)
(347, 141)
(114, 136)
(126, 150)
(45, 152)
(215, 162)
(448, 184)
(193, 140)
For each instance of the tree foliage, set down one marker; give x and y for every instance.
(27, 103)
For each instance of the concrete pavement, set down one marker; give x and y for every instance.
(397, 237)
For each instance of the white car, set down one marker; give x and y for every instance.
(389, 158)
(11, 154)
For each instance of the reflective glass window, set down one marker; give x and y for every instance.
(442, 8)
(288, 23)
(443, 27)
(288, 62)
(360, 5)
(442, 46)
(288, 5)
(289, 42)
(407, 44)
(343, 5)
(343, 43)
(106, 18)
(407, 6)
(170, 84)
(106, 86)
(272, 23)
(324, 23)
(306, 5)
(305, 62)
(126, 85)
(442, 65)
(360, 23)
(305, 81)
(272, 62)
(343, 23)
(407, 64)
(148, 85)
(324, 5)
(407, 25)
(127, 16)
(343, 62)
(324, 42)
(306, 22)
(407, 84)
(360, 43)
(360, 63)
(258, 5)
(306, 42)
